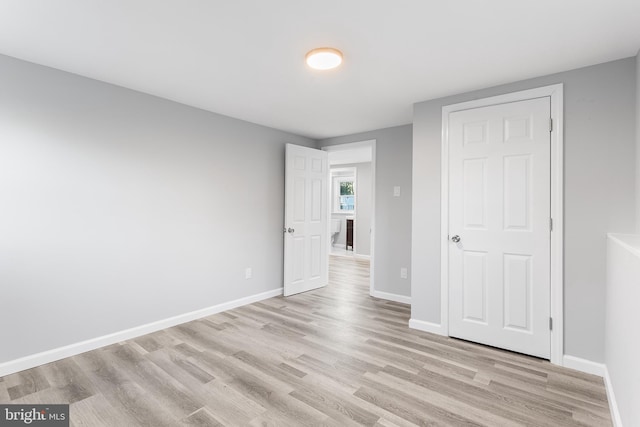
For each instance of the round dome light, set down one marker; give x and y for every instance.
(324, 58)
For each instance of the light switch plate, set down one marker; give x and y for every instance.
(396, 191)
(403, 273)
(248, 273)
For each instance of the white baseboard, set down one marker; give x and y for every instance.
(584, 365)
(422, 325)
(613, 404)
(391, 297)
(339, 245)
(599, 369)
(49, 356)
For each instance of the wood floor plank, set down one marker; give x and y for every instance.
(42, 397)
(122, 392)
(547, 398)
(4, 393)
(67, 376)
(419, 412)
(202, 418)
(170, 393)
(27, 382)
(480, 415)
(96, 411)
(507, 406)
(344, 411)
(332, 357)
(180, 367)
(230, 406)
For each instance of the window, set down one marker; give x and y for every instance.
(344, 193)
(347, 196)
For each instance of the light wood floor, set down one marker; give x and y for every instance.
(329, 357)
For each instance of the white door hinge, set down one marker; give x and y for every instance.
(551, 323)
(550, 224)
(550, 124)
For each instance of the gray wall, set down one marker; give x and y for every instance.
(119, 208)
(392, 249)
(363, 212)
(599, 114)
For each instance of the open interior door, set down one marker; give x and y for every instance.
(305, 219)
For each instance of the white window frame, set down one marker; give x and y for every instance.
(338, 176)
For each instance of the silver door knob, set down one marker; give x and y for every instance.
(291, 230)
(455, 239)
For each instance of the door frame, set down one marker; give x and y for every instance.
(555, 92)
(349, 146)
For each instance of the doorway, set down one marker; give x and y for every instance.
(352, 204)
(502, 221)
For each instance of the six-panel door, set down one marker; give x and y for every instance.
(499, 206)
(306, 227)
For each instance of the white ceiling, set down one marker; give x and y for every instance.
(245, 58)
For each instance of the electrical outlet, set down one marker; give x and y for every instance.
(248, 273)
(396, 191)
(403, 273)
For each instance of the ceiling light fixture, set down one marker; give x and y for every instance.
(324, 58)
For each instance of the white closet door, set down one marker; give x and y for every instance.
(499, 225)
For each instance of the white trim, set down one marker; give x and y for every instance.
(372, 239)
(555, 92)
(584, 365)
(342, 255)
(444, 225)
(557, 213)
(421, 325)
(392, 297)
(613, 404)
(340, 171)
(350, 146)
(49, 356)
(359, 256)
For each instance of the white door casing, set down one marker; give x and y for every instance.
(357, 145)
(306, 228)
(500, 207)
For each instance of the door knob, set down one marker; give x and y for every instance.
(291, 230)
(455, 239)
